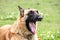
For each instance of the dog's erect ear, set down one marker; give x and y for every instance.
(21, 11)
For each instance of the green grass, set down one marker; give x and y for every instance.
(48, 29)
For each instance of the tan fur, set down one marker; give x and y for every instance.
(17, 31)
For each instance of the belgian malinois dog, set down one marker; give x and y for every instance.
(24, 28)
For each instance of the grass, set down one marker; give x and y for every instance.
(48, 29)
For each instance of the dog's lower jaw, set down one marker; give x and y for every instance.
(32, 37)
(35, 37)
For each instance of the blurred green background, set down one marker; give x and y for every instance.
(48, 28)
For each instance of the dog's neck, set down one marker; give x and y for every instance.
(19, 27)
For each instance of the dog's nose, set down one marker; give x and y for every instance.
(39, 18)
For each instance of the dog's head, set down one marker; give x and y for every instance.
(30, 16)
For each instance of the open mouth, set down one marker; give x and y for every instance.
(32, 26)
(31, 21)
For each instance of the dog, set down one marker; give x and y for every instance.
(24, 28)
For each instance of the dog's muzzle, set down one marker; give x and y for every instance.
(39, 18)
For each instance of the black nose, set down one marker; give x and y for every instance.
(39, 18)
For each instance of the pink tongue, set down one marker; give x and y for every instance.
(32, 27)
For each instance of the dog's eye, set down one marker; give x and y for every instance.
(37, 11)
(30, 13)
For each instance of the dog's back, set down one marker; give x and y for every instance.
(6, 34)
(3, 31)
